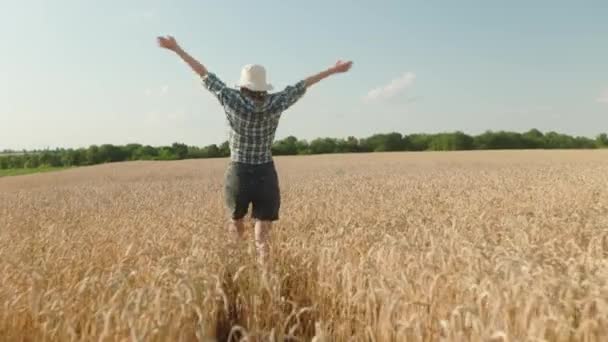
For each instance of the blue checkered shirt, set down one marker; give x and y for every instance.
(252, 124)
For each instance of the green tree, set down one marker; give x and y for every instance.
(15, 162)
(32, 161)
(130, 150)
(50, 158)
(81, 156)
(93, 156)
(533, 139)
(451, 142)
(348, 145)
(303, 147)
(166, 153)
(109, 153)
(146, 152)
(66, 158)
(180, 151)
(212, 151)
(195, 152)
(291, 145)
(419, 142)
(498, 141)
(225, 149)
(583, 143)
(601, 140)
(287, 146)
(383, 142)
(561, 141)
(322, 145)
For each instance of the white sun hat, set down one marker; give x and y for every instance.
(253, 77)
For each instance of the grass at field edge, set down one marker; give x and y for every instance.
(20, 172)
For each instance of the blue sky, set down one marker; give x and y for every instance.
(76, 73)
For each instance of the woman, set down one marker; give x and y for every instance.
(253, 115)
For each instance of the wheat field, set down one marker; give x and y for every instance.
(459, 246)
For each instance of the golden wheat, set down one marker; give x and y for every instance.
(471, 246)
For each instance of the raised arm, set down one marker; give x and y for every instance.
(170, 43)
(339, 67)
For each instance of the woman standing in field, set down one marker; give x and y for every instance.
(253, 116)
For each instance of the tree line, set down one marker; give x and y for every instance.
(451, 141)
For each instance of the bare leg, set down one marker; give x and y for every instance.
(236, 228)
(262, 237)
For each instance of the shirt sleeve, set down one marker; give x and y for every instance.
(290, 95)
(216, 86)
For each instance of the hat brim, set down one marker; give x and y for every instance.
(255, 87)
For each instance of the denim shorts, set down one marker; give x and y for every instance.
(255, 184)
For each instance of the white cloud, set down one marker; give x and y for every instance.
(391, 89)
(603, 98)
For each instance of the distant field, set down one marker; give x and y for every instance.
(10, 154)
(458, 246)
(18, 172)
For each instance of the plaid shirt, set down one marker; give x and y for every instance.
(252, 124)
